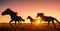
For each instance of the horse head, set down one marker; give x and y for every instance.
(8, 11)
(40, 14)
(29, 17)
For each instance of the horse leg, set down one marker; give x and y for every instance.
(54, 24)
(10, 22)
(31, 23)
(57, 21)
(15, 23)
(48, 23)
(18, 23)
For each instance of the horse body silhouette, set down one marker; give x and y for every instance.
(31, 19)
(13, 15)
(47, 19)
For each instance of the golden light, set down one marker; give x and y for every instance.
(16, 22)
(26, 21)
(38, 20)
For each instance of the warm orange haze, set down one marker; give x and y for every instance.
(29, 15)
(30, 8)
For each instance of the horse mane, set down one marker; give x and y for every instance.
(30, 17)
(9, 10)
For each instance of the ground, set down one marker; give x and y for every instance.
(28, 27)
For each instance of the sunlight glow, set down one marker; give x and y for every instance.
(38, 20)
(16, 22)
(27, 21)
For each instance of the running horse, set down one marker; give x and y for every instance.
(31, 19)
(47, 19)
(13, 16)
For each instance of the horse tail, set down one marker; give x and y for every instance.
(56, 20)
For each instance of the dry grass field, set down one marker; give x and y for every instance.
(28, 27)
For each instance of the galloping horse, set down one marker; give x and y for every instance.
(31, 19)
(47, 18)
(13, 16)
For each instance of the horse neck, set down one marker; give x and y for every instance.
(42, 17)
(31, 19)
(12, 16)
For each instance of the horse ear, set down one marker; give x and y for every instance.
(15, 12)
(40, 13)
(28, 16)
(8, 8)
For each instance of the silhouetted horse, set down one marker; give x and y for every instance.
(47, 18)
(13, 15)
(31, 19)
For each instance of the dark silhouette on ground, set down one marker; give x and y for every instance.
(13, 15)
(47, 19)
(31, 19)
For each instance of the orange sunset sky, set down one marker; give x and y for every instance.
(29, 8)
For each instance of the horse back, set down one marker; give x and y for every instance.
(49, 18)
